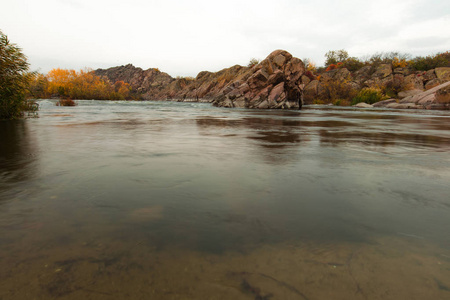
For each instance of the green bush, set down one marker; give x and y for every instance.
(391, 58)
(335, 56)
(253, 62)
(353, 64)
(368, 95)
(334, 90)
(14, 80)
(429, 62)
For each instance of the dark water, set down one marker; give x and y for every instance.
(162, 200)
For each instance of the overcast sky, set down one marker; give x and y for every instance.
(183, 38)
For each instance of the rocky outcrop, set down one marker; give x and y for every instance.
(404, 82)
(153, 84)
(149, 82)
(280, 81)
(276, 82)
(435, 98)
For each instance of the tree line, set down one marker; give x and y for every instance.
(84, 84)
(341, 59)
(18, 84)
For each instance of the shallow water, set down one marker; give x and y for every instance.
(166, 200)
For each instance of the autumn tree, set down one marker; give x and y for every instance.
(60, 81)
(334, 57)
(38, 87)
(84, 84)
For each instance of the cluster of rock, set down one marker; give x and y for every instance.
(273, 83)
(437, 97)
(153, 84)
(280, 81)
(418, 89)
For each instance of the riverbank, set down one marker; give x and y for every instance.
(280, 81)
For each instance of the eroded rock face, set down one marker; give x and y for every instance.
(273, 83)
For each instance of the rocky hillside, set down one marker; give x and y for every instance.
(280, 81)
(150, 81)
(397, 84)
(273, 83)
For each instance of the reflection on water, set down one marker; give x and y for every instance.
(187, 201)
(17, 150)
(18, 153)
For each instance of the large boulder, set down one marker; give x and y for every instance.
(363, 105)
(383, 71)
(402, 71)
(443, 95)
(311, 91)
(363, 74)
(443, 73)
(432, 83)
(407, 93)
(384, 103)
(434, 98)
(273, 83)
(429, 75)
(414, 82)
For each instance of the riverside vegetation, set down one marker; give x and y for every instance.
(268, 83)
(279, 81)
(14, 80)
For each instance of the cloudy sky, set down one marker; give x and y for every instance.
(183, 38)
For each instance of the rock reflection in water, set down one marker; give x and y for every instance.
(276, 139)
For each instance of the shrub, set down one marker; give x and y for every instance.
(38, 87)
(14, 80)
(368, 95)
(341, 102)
(399, 62)
(309, 65)
(331, 67)
(387, 58)
(353, 64)
(253, 62)
(66, 102)
(337, 90)
(431, 61)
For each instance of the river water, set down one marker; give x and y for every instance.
(166, 200)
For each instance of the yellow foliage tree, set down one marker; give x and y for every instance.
(399, 63)
(84, 84)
